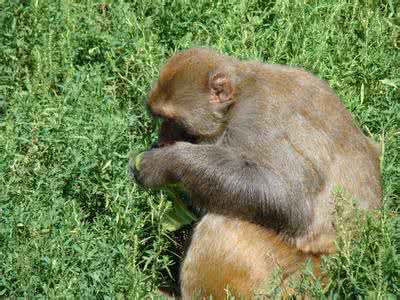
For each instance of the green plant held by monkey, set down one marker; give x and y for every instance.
(179, 214)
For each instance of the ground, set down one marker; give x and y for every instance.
(73, 79)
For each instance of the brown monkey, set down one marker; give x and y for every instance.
(260, 148)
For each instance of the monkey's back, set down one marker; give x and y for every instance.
(322, 129)
(307, 129)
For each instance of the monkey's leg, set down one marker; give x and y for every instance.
(230, 253)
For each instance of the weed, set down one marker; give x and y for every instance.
(73, 77)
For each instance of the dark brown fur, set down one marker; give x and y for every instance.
(260, 148)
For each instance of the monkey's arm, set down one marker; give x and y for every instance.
(223, 181)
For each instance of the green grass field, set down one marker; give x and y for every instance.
(73, 79)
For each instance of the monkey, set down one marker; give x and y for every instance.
(259, 148)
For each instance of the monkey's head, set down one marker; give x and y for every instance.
(193, 95)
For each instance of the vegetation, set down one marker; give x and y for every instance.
(73, 77)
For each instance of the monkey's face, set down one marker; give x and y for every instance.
(191, 98)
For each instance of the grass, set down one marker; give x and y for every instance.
(73, 77)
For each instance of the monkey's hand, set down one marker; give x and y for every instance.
(150, 168)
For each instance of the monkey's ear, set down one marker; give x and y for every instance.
(221, 88)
